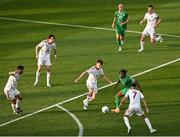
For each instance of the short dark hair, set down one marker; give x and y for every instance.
(100, 61)
(123, 71)
(150, 6)
(133, 84)
(20, 67)
(51, 35)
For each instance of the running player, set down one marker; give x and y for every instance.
(121, 20)
(153, 20)
(11, 91)
(126, 81)
(91, 83)
(135, 97)
(43, 51)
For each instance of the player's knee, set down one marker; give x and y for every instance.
(48, 69)
(152, 41)
(142, 39)
(93, 97)
(39, 69)
(14, 101)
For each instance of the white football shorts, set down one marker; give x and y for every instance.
(11, 94)
(44, 61)
(92, 86)
(138, 111)
(149, 31)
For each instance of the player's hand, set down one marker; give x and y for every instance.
(76, 80)
(147, 110)
(122, 24)
(55, 56)
(37, 56)
(141, 22)
(113, 25)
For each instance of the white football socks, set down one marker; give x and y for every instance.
(142, 44)
(126, 121)
(48, 74)
(148, 123)
(122, 42)
(37, 76)
(17, 103)
(13, 107)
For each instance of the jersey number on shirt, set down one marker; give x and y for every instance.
(135, 93)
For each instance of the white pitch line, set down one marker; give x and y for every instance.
(77, 26)
(76, 97)
(75, 118)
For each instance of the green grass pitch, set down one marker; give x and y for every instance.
(78, 49)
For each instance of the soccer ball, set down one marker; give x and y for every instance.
(105, 109)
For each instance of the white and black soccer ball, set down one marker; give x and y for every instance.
(105, 109)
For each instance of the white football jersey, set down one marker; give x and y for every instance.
(151, 19)
(46, 48)
(135, 97)
(94, 74)
(12, 82)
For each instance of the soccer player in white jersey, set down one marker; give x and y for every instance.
(43, 53)
(153, 20)
(11, 91)
(91, 83)
(135, 97)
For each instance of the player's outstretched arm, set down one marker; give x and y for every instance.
(82, 74)
(113, 23)
(158, 21)
(12, 73)
(106, 78)
(125, 22)
(37, 51)
(142, 21)
(145, 105)
(117, 83)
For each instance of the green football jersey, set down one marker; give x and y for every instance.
(127, 81)
(121, 17)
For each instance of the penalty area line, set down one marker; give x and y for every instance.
(76, 97)
(78, 26)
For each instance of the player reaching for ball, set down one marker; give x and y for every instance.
(126, 82)
(135, 97)
(153, 20)
(43, 51)
(120, 19)
(91, 83)
(11, 91)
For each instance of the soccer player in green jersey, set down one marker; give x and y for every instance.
(120, 20)
(127, 82)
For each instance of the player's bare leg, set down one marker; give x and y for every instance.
(117, 102)
(38, 73)
(90, 96)
(48, 74)
(120, 41)
(148, 123)
(142, 43)
(18, 99)
(13, 106)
